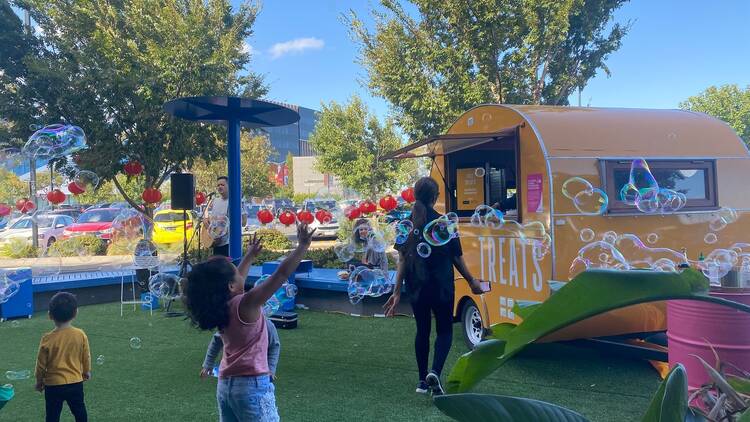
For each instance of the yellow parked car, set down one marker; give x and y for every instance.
(168, 226)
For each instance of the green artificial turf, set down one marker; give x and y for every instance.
(332, 368)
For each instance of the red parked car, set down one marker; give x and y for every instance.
(97, 222)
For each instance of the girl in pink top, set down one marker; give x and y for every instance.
(215, 299)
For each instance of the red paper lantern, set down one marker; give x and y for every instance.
(200, 198)
(305, 216)
(265, 216)
(25, 206)
(5, 210)
(323, 216)
(20, 203)
(133, 168)
(56, 196)
(151, 196)
(352, 213)
(388, 203)
(408, 195)
(287, 218)
(367, 207)
(75, 189)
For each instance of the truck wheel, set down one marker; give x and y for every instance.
(471, 321)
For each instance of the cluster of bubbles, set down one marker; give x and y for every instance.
(643, 192)
(86, 180)
(627, 251)
(135, 343)
(533, 233)
(587, 199)
(364, 281)
(53, 141)
(162, 285)
(100, 360)
(719, 221)
(127, 228)
(280, 299)
(367, 235)
(8, 286)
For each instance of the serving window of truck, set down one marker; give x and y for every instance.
(477, 169)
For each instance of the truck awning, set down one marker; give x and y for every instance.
(447, 144)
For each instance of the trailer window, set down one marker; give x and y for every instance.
(696, 179)
(485, 176)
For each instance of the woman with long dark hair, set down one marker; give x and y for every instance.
(428, 283)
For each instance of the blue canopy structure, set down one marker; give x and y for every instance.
(234, 112)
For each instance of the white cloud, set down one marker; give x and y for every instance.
(295, 46)
(248, 49)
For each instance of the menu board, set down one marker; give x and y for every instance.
(469, 189)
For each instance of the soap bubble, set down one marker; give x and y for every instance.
(376, 242)
(574, 186)
(402, 231)
(9, 287)
(494, 219)
(479, 172)
(127, 229)
(86, 180)
(283, 295)
(145, 254)
(643, 192)
(54, 141)
(480, 214)
(424, 250)
(710, 238)
(724, 217)
(218, 226)
(18, 375)
(541, 247)
(440, 231)
(10, 158)
(100, 360)
(610, 237)
(163, 284)
(15, 324)
(364, 281)
(652, 238)
(344, 251)
(587, 235)
(591, 201)
(717, 264)
(135, 343)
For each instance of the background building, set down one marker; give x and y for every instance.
(293, 138)
(307, 179)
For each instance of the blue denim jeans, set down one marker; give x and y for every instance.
(246, 399)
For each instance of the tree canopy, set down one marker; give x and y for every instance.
(108, 67)
(729, 103)
(457, 54)
(350, 142)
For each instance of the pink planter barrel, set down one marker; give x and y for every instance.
(692, 325)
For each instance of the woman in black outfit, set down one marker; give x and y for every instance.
(428, 283)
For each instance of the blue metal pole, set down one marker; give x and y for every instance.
(235, 188)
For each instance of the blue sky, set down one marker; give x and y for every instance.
(674, 49)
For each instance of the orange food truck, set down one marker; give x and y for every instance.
(520, 156)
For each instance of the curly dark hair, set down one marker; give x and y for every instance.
(207, 294)
(63, 307)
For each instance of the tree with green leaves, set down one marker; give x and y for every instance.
(109, 67)
(351, 142)
(729, 103)
(13, 188)
(457, 54)
(254, 152)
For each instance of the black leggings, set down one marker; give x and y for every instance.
(56, 395)
(429, 301)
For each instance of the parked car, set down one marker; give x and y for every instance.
(71, 212)
(50, 229)
(119, 205)
(97, 222)
(278, 205)
(170, 226)
(252, 223)
(325, 230)
(313, 205)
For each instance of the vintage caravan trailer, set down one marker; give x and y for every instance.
(519, 157)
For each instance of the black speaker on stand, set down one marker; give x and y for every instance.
(183, 198)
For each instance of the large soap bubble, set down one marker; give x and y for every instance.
(344, 251)
(218, 226)
(402, 229)
(364, 281)
(643, 191)
(54, 141)
(127, 229)
(283, 295)
(440, 231)
(86, 180)
(9, 287)
(163, 284)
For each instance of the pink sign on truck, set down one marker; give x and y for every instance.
(534, 192)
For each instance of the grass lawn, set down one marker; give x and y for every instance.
(332, 368)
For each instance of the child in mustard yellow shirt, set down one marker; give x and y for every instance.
(63, 361)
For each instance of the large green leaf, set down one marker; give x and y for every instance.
(669, 404)
(490, 408)
(741, 385)
(589, 294)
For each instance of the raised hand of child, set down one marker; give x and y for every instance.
(304, 235)
(254, 247)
